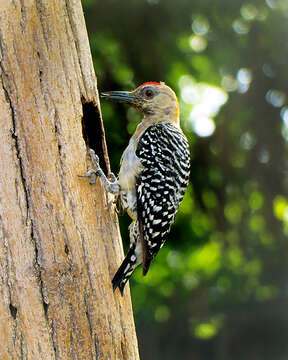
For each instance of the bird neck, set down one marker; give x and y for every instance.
(153, 119)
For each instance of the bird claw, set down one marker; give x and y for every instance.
(96, 171)
(111, 186)
(89, 174)
(95, 159)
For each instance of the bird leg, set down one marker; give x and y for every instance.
(110, 186)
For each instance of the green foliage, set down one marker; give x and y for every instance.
(226, 256)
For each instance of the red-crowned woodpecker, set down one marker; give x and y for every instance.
(153, 176)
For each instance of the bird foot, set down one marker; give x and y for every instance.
(96, 170)
(111, 185)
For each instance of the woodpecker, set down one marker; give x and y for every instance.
(153, 175)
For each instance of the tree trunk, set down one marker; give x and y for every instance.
(59, 236)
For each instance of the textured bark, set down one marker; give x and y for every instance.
(59, 236)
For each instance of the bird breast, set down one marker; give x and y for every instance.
(130, 167)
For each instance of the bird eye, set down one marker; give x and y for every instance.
(149, 93)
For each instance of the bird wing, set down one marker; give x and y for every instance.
(164, 153)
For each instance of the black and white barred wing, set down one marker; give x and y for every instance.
(163, 151)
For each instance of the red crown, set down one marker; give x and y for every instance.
(151, 83)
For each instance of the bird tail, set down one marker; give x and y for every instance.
(125, 270)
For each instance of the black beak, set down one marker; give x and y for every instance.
(119, 96)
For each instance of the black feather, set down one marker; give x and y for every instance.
(120, 278)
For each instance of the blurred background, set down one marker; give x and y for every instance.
(218, 289)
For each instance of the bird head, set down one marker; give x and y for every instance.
(153, 99)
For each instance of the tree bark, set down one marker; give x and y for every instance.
(59, 236)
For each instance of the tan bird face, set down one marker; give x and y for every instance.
(152, 99)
